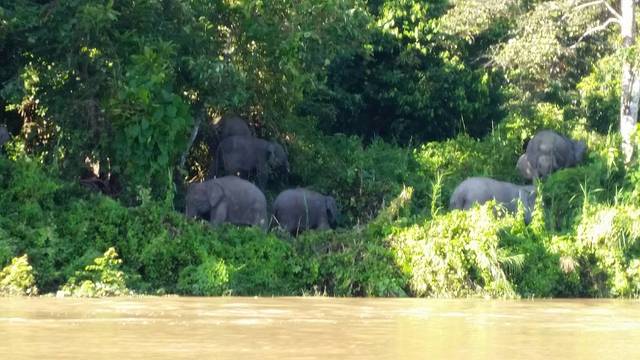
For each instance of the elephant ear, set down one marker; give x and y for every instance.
(332, 210)
(271, 153)
(277, 157)
(579, 150)
(197, 202)
(215, 194)
(525, 168)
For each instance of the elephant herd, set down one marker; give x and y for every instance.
(228, 197)
(545, 153)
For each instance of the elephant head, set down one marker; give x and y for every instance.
(527, 195)
(524, 167)
(545, 165)
(233, 125)
(579, 150)
(549, 151)
(202, 198)
(277, 157)
(332, 211)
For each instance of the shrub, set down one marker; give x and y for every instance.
(18, 278)
(453, 255)
(210, 278)
(608, 238)
(362, 178)
(102, 278)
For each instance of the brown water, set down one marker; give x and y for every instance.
(317, 328)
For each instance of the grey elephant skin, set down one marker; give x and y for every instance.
(246, 156)
(548, 152)
(233, 125)
(4, 136)
(228, 199)
(481, 189)
(297, 210)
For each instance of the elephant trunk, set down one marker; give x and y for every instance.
(189, 212)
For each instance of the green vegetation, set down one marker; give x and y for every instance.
(102, 278)
(386, 105)
(17, 278)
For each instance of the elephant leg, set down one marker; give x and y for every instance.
(218, 214)
(323, 225)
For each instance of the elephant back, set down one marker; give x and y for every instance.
(233, 125)
(246, 204)
(299, 209)
(549, 151)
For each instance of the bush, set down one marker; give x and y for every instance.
(348, 263)
(18, 278)
(608, 238)
(453, 255)
(210, 278)
(361, 178)
(102, 278)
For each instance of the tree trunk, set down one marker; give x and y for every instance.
(630, 80)
(202, 114)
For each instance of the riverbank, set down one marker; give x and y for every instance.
(583, 241)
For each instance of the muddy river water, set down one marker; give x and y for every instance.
(317, 328)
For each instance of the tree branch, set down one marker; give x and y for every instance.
(194, 133)
(598, 2)
(612, 10)
(595, 29)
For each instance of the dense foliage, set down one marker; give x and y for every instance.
(386, 105)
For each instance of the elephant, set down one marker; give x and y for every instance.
(246, 155)
(227, 199)
(233, 125)
(4, 136)
(482, 189)
(547, 152)
(300, 209)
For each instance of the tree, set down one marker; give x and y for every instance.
(630, 94)
(545, 55)
(126, 84)
(630, 84)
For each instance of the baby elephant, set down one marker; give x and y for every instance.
(227, 199)
(547, 152)
(300, 209)
(480, 190)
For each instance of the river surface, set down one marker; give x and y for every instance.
(317, 328)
